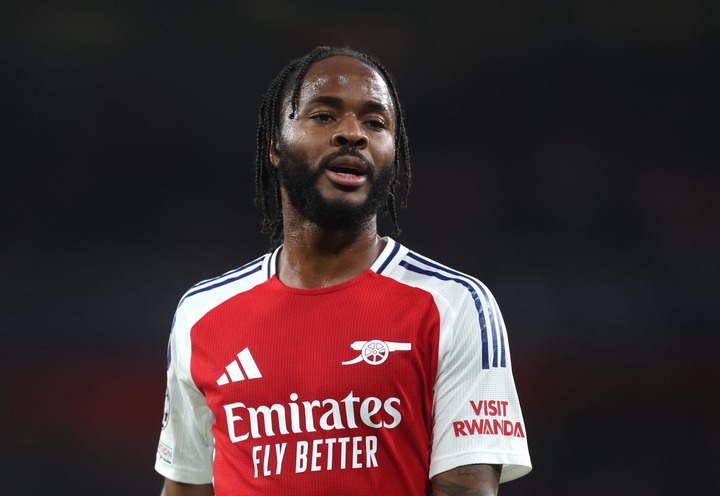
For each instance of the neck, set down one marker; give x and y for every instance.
(313, 257)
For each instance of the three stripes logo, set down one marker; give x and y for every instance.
(234, 371)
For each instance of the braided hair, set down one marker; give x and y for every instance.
(288, 84)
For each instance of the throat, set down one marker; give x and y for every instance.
(305, 267)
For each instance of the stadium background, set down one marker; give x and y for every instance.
(566, 155)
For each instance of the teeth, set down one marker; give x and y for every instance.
(346, 172)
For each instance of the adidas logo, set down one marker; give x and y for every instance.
(235, 369)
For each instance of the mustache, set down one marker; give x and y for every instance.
(348, 151)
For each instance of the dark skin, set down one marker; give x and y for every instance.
(468, 480)
(172, 488)
(343, 102)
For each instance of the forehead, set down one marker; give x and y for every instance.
(344, 76)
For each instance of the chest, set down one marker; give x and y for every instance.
(350, 350)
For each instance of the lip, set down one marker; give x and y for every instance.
(347, 171)
(353, 164)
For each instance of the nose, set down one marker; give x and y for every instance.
(350, 133)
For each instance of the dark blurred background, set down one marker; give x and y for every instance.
(564, 153)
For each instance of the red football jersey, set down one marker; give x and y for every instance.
(369, 386)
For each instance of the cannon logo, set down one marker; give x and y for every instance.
(375, 352)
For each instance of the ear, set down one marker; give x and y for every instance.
(275, 150)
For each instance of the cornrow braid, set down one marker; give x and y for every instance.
(267, 184)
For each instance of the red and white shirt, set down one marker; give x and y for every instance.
(370, 386)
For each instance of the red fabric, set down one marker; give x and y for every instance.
(298, 341)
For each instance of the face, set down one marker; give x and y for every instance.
(335, 157)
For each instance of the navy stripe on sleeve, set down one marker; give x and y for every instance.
(234, 271)
(387, 261)
(474, 286)
(251, 270)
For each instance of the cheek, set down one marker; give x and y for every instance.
(290, 134)
(385, 150)
(299, 141)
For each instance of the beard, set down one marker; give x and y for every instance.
(300, 182)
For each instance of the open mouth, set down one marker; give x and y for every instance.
(347, 175)
(346, 171)
(348, 164)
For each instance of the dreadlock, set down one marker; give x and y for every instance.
(267, 184)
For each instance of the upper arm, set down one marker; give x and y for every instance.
(185, 450)
(468, 480)
(476, 412)
(172, 488)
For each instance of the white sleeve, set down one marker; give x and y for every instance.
(185, 450)
(477, 416)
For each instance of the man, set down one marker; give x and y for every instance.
(341, 362)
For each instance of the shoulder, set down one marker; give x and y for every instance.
(445, 283)
(469, 315)
(210, 293)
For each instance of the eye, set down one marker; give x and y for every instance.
(375, 124)
(321, 117)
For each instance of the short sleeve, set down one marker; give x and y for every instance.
(185, 449)
(476, 412)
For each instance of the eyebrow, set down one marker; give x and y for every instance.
(334, 101)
